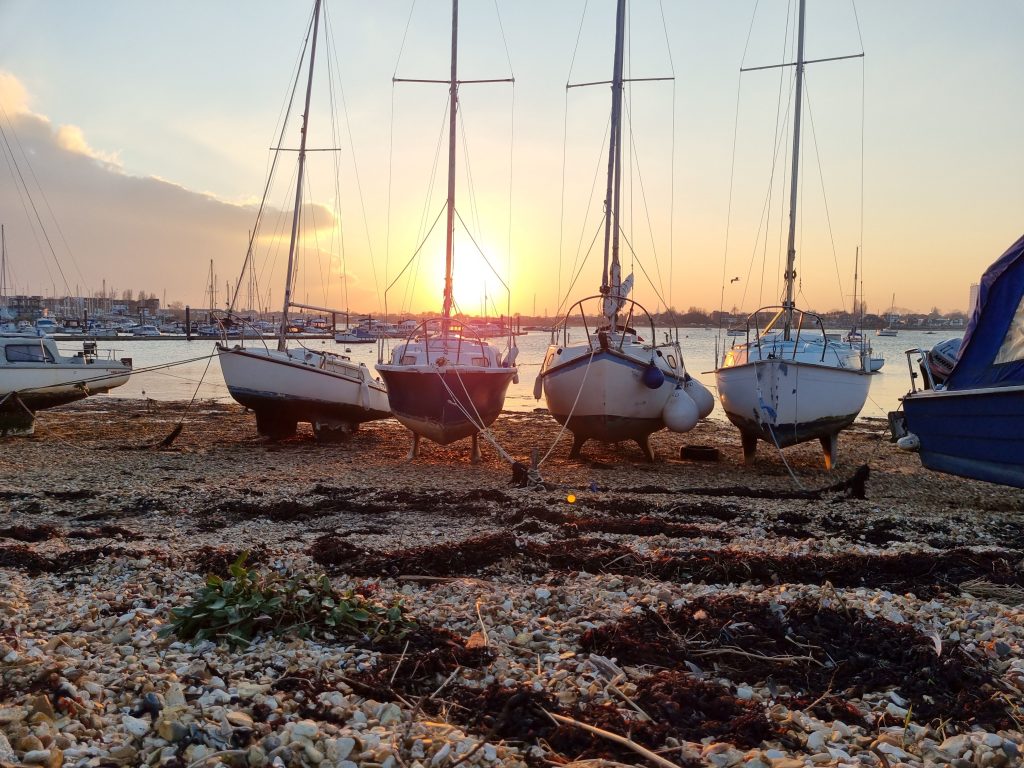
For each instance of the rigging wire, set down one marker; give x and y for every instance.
(732, 166)
(824, 195)
(272, 172)
(511, 166)
(53, 218)
(355, 173)
(586, 215)
(650, 226)
(25, 193)
(565, 146)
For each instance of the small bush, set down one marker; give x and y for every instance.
(252, 601)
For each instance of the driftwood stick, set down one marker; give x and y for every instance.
(621, 740)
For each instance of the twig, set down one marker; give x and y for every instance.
(483, 627)
(828, 585)
(437, 579)
(653, 757)
(615, 689)
(447, 680)
(399, 664)
(748, 655)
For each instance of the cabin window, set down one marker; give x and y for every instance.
(1012, 348)
(480, 361)
(409, 360)
(28, 353)
(671, 360)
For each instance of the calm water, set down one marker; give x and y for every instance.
(180, 382)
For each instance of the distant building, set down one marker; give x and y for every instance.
(972, 302)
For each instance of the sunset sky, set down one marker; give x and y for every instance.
(147, 128)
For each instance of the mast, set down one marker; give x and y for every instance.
(612, 194)
(282, 339)
(453, 97)
(790, 275)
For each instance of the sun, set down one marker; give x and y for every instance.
(476, 289)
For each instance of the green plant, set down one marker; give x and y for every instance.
(258, 600)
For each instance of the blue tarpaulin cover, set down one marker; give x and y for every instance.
(992, 353)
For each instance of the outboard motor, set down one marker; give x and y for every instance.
(941, 359)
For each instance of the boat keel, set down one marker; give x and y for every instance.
(829, 446)
(749, 440)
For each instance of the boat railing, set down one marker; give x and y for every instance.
(780, 312)
(448, 329)
(232, 320)
(926, 367)
(623, 330)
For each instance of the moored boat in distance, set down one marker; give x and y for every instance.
(968, 418)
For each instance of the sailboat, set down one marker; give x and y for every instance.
(444, 382)
(889, 330)
(788, 383)
(615, 385)
(284, 386)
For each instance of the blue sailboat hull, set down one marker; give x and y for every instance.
(976, 433)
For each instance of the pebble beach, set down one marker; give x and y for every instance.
(680, 613)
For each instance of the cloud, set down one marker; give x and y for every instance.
(137, 232)
(13, 96)
(71, 138)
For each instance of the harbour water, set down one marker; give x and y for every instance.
(202, 374)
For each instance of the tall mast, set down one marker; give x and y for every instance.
(797, 107)
(453, 98)
(612, 194)
(282, 339)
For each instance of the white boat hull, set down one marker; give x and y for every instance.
(34, 375)
(283, 388)
(785, 401)
(600, 394)
(50, 385)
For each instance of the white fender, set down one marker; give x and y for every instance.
(538, 386)
(701, 396)
(909, 442)
(680, 413)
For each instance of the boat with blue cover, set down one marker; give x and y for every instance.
(972, 423)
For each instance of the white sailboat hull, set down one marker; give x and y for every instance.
(787, 401)
(284, 388)
(601, 393)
